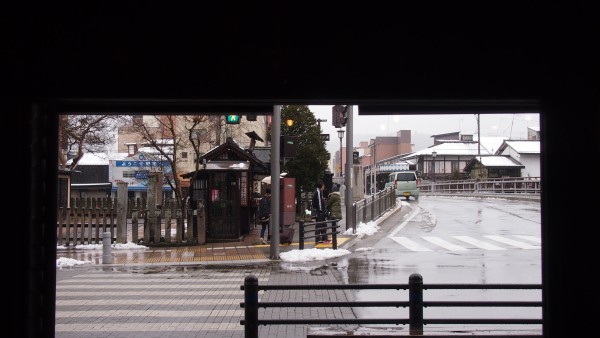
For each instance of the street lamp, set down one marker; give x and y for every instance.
(341, 136)
(433, 154)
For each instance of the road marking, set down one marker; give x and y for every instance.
(530, 238)
(413, 245)
(164, 314)
(444, 244)
(478, 243)
(403, 224)
(409, 244)
(97, 303)
(512, 242)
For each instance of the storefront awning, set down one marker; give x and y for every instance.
(393, 167)
(138, 188)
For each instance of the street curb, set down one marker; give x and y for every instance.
(381, 218)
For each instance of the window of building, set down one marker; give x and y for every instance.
(129, 174)
(455, 165)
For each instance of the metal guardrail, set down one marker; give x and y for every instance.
(415, 304)
(311, 227)
(365, 210)
(373, 206)
(511, 185)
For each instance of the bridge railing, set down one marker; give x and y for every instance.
(415, 320)
(510, 185)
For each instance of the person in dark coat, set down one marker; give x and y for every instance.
(264, 213)
(318, 206)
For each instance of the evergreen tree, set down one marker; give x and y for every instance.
(310, 163)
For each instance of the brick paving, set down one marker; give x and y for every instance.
(183, 301)
(185, 291)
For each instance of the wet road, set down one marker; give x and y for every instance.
(455, 240)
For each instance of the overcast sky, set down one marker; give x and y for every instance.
(422, 127)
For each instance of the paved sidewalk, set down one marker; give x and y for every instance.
(248, 249)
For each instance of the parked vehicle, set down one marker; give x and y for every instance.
(405, 182)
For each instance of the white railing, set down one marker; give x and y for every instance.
(509, 185)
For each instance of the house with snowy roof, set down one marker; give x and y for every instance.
(513, 158)
(453, 157)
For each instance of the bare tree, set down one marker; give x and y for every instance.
(169, 135)
(80, 134)
(160, 132)
(198, 136)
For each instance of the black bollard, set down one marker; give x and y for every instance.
(251, 306)
(415, 304)
(334, 235)
(301, 236)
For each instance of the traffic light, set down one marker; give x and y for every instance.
(233, 119)
(338, 116)
(287, 146)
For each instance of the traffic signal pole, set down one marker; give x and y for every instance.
(349, 179)
(275, 191)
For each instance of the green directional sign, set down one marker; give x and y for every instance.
(233, 119)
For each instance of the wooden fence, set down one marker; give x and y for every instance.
(88, 218)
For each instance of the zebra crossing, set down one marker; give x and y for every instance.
(468, 243)
(152, 303)
(183, 301)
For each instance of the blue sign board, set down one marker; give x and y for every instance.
(142, 163)
(142, 174)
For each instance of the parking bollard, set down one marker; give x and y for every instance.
(106, 248)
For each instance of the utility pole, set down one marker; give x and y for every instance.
(348, 179)
(275, 190)
(478, 138)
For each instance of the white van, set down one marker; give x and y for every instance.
(406, 183)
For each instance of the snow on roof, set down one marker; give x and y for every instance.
(98, 158)
(153, 151)
(452, 148)
(491, 143)
(160, 141)
(498, 161)
(524, 146)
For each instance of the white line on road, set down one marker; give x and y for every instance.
(512, 242)
(444, 244)
(409, 244)
(403, 224)
(530, 238)
(478, 243)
